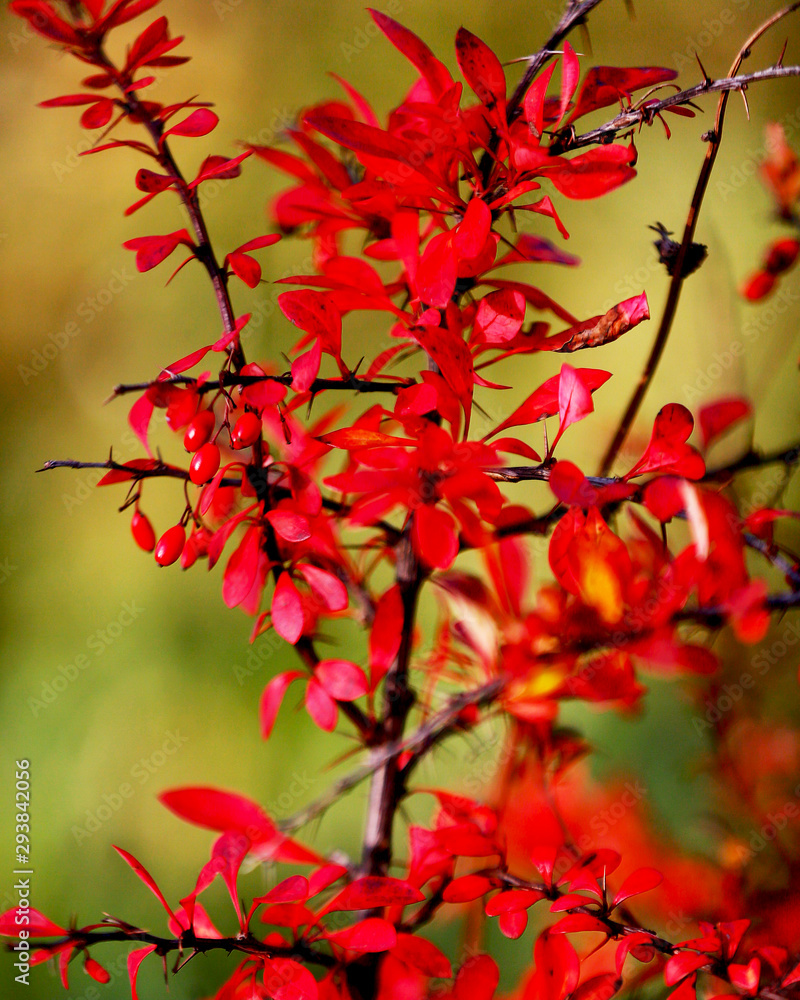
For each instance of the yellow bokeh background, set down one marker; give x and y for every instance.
(115, 674)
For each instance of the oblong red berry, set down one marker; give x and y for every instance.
(142, 531)
(199, 430)
(170, 545)
(246, 430)
(205, 463)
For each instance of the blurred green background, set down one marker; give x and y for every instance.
(114, 674)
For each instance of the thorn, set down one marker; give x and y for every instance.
(706, 77)
(630, 9)
(783, 53)
(746, 105)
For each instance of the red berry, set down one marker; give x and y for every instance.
(170, 545)
(199, 430)
(782, 254)
(246, 431)
(143, 533)
(204, 464)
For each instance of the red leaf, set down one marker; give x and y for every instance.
(466, 889)
(746, 977)
(229, 336)
(543, 402)
(668, 451)
(290, 526)
(286, 979)
(473, 230)
(145, 876)
(293, 889)
(499, 317)
(604, 85)
(603, 329)
(793, 977)
(321, 706)
(306, 368)
(240, 573)
(477, 979)
(98, 115)
(372, 891)
(682, 965)
(642, 880)
(371, 935)
(134, 960)
(386, 633)
(557, 967)
(434, 536)
(594, 173)
(570, 75)
(717, 417)
(224, 168)
(36, 924)
(422, 955)
(512, 899)
(481, 68)
(571, 487)
(316, 314)
(574, 399)
(453, 358)
(327, 588)
(513, 923)
(43, 18)
(535, 98)
(215, 809)
(342, 679)
(135, 465)
(436, 272)
(151, 250)
(287, 610)
(416, 51)
(245, 267)
(200, 122)
(184, 364)
(272, 698)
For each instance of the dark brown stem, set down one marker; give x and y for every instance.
(714, 142)
(204, 251)
(398, 698)
(248, 944)
(574, 14)
(231, 379)
(442, 723)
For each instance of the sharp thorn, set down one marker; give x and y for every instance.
(706, 77)
(746, 105)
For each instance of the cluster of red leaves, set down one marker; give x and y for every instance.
(780, 173)
(432, 194)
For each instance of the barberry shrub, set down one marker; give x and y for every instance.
(485, 577)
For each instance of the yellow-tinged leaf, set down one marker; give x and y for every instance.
(600, 588)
